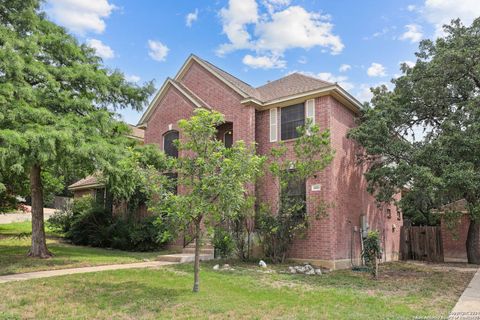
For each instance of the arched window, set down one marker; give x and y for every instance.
(168, 146)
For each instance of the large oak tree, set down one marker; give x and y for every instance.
(56, 105)
(425, 134)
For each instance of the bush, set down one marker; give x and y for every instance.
(372, 251)
(223, 242)
(277, 232)
(91, 224)
(60, 221)
(88, 223)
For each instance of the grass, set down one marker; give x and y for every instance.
(403, 291)
(14, 246)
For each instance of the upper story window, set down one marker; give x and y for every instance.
(168, 146)
(292, 117)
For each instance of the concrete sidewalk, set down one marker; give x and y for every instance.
(468, 306)
(62, 272)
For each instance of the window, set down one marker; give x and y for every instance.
(228, 139)
(292, 117)
(168, 146)
(399, 214)
(389, 213)
(296, 194)
(173, 177)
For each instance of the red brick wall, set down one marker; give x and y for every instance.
(351, 198)
(454, 241)
(342, 186)
(223, 99)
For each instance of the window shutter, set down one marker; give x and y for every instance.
(311, 110)
(273, 124)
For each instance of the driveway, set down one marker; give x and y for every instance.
(23, 216)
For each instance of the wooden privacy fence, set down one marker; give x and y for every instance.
(421, 243)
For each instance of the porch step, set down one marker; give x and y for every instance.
(183, 257)
(203, 250)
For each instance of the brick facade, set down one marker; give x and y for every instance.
(332, 241)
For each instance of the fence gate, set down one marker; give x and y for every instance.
(421, 243)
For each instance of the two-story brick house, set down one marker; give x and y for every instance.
(268, 114)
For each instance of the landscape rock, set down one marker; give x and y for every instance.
(306, 269)
(262, 264)
(216, 267)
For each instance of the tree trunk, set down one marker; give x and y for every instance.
(473, 242)
(39, 244)
(196, 266)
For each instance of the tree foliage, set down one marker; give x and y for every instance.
(425, 134)
(212, 178)
(56, 105)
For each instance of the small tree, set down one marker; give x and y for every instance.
(213, 179)
(372, 251)
(278, 227)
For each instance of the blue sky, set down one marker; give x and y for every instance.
(359, 44)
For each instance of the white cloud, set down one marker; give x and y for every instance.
(364, 94)
(281, 28)
(191, 18)
(413, 33)
(409, 63)
(345, 67)
(264, 62)
(101, 49)
(132, 78)
(234, 20)
(158, 51)
(440, 12)
(376, 70)
(295, 27)
(411, 7)
(274, 5)
(81, 16)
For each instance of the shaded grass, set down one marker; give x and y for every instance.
(14, 248)
(403, 291)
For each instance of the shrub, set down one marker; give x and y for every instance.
(223, 242)
(88, 223)
(277, 231)
(91, 224)
(60, 221)
(372, 251)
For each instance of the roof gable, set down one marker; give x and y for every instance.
(194, 100)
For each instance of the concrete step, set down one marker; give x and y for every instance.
(203, 250)
(183, 257)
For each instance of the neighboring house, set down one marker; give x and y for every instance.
(267, 115)
(93, 186)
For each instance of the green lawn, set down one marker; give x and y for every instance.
(13, 249)
(403, 291)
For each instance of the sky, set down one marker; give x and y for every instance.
(358, 44)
